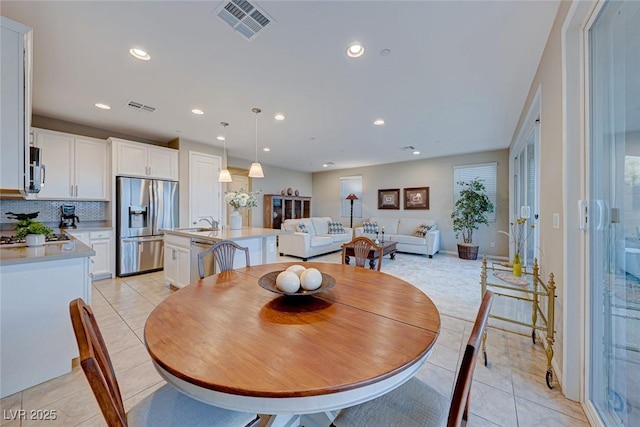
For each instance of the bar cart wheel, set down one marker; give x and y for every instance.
(533, 336)
(484, 354)
(550, 379)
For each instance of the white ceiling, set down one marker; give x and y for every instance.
(455, 81)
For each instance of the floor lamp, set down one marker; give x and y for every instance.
(351, 197)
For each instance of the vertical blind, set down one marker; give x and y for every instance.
(348, 185)
(485, 172)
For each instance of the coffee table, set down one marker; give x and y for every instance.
(387, 248)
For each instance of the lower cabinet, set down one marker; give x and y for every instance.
(177, 258)
(101, 242)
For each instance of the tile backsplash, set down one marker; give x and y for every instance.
(50, 209)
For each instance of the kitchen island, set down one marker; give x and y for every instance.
(182, 246)
(36, 285)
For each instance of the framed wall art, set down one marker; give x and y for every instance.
(389, 199)
(416, 198)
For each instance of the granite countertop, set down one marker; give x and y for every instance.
(226, 233)
(9, 227)
(52, 251)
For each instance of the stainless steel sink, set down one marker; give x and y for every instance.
(197, 229)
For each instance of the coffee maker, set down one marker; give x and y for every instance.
(69, 217)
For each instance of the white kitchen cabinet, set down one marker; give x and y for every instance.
(144, 160)
(177, 253)
(102, 243)
(15, 120)
(77, 167)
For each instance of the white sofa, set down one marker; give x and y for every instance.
(316, 241)
(400, 230)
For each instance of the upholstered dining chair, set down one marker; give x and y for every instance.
(361, 248)
(417, 404)
(224, 252)
(164, 407)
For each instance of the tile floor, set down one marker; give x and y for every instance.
(511, 391)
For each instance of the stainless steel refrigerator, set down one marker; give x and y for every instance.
(144, 207)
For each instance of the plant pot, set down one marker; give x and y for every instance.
(35, 239)
(467, 251)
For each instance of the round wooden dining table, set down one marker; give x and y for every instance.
(227, 341)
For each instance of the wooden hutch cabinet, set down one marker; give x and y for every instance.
(277, 208)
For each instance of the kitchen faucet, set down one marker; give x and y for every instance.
(209, 219)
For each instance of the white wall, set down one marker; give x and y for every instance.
(437, 174)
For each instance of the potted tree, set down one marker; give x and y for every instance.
(471, 210)
(34, 232)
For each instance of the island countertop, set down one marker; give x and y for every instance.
(66, 249)
(226, 233)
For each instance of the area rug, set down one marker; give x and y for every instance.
(452, 284)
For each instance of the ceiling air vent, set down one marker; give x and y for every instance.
(140, 106)
(244, 17)
(408, 147)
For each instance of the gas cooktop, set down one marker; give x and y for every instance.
(13, 240)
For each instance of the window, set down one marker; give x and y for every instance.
(348, 185)
(487, 172)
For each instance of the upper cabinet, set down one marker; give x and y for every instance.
(15, 119)
(77, 167)
(144, 160)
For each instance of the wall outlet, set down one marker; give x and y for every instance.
(492, 244)
(556, 220)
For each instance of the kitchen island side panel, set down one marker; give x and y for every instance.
(37, 342)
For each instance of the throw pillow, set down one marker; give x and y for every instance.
(369, 227)
(302, 228)
(336, 227)
(422, 230)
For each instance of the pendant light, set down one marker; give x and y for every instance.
(224, 176)
(256, 168)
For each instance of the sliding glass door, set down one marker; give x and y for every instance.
(614, 214)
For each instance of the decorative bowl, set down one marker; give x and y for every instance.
(268, 282)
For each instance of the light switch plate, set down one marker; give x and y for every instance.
(556, 220)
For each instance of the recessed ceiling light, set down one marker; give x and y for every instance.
(279, 116)
(416, 152)
(139, 53)
(324, 165)
(102, 106)
(266, 149)
(378, 122)
(220, 137)
(385, 52)
(355, 50)
(197, 111)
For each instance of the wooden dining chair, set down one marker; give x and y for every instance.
(164, 407)
(361, 248)
(417, 404)
(224, 252)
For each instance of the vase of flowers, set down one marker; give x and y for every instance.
(519, 234)
(240, 199)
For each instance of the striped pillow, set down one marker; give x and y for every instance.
(422, 230)
(302, 228)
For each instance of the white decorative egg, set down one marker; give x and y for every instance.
(298, 269)
(288, 281)
(311, 279)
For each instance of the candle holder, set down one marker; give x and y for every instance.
(377, 242)
(382, 236)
